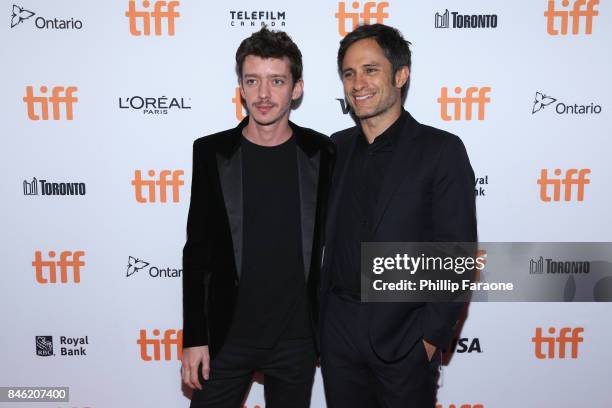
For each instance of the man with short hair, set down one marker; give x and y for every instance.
(252, 257)
(395, 180)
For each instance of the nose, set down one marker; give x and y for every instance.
(359, 83)
(263, 92)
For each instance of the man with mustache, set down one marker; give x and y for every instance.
(395, 180)
(252, 257)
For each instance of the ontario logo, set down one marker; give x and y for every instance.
(21, 15)
(542, 101)
(135, 265)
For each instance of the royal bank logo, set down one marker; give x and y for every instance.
(258, 18)
(481, 184)
(44, 346)
(542, 101)
(21, 15)
(160, 105)
(455, 19)
(50, 188)
(69, 346)
(543, 265)
(135, 265)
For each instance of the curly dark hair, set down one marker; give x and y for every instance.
(270, 44)
(393, 44)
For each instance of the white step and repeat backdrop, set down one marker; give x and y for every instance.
(101, 102)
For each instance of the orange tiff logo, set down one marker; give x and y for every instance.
(468, 101)
(172, 339)
(573, 177)
(162, 10)
(560, 342)
(60, 96)
(46, 270)
(580, 9)
(237, 101)
(371, 12)
(146, 190)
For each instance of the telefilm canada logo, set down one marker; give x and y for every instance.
(23, 16)
(68, 346)
(45, 187)
(135, 265)
(456, 19)
(158, 105)
(258, 18)
(542, 102)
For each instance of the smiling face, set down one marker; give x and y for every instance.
(370, 86)
(268, 89)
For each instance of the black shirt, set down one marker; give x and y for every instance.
(366, 170)
(272, 299)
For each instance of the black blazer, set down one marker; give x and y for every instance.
(426, 196)
(212, 256)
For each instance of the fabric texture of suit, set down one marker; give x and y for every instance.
(212, 256)
(426, 196)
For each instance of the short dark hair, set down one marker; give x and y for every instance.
(270, 44)
(393, 44)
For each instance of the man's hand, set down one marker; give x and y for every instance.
(430, 349)
(192, 357)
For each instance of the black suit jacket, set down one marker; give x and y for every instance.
(426, 196)
(212, 256)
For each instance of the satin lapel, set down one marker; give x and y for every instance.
(308, 174)
(229, 165)
(401, 162)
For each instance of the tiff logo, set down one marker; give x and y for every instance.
(171, 339)
(145, 190)
(468, 101)
(577, 12)
(162, 10)
(567, 182)
(562, 341)
(30, 188)
(356, 18)
(59, 96)
(442, 20)
(237, 101)
(46, 271)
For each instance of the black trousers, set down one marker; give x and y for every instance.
(288, 371)
(354, 376)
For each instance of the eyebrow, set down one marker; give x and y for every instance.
(369, 65)
(268, 76)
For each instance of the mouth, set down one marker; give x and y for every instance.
(264, 108)
(362, 98)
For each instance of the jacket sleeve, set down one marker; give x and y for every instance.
(454, 220)
(197, 255)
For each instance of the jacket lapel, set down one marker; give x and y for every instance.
(309, 163)
(229, 164)
(401, 162)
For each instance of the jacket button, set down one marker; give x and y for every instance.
(235, 282)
